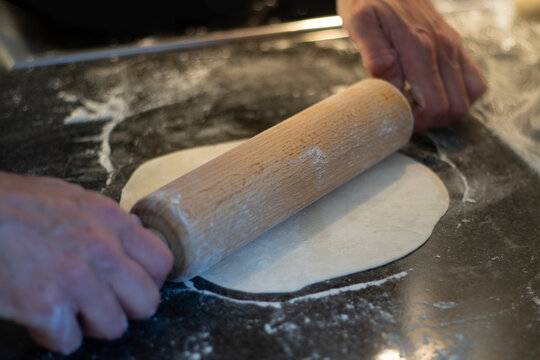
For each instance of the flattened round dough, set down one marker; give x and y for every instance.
(380, 216)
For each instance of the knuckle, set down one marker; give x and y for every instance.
(53, 315)
(361, 12)
(50, 314)
(424, 40)
(47, 299)
(106, 205)
(102, 249)
(380, 63)
(448, 46)
(90, 200)
(77, 270)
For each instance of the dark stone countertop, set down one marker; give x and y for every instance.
(472, 291)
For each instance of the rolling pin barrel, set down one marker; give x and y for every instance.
(227, 202)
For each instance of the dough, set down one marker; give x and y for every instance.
(380, 216)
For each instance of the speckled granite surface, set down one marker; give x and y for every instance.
(472, 291)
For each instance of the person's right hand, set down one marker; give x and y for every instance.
(73, 263)
(409, 41)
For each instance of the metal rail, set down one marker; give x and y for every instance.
(147, 46)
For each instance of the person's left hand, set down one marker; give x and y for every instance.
(73, 263)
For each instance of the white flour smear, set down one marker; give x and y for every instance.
(129, 97)
(314, 296)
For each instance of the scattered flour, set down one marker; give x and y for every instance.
(130, 97)
(507, 50)
(465, 198)
(444, 305)
(314, 296)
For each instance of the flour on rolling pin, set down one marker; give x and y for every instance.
(237, 196)
(224, 204)
(377, 217)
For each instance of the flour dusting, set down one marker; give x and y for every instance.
(315, 296)
(129, 97)
(114, 108)
(466, 197)
(506, 49)
(316, 155)
(444, 305)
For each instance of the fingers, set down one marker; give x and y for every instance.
(378, 54)
(475, 82)
(132, 285)
(422, 71)
(49, 313)
(66, 302)
(462, 84)
(83, 297)
(410, 41)
(84, 268)
(59, 324)
(100, 313)
(448, 53)
(138, 243)
(456, 92)
(134, 289)
(148, 251)
(61, 333)
(128, 258)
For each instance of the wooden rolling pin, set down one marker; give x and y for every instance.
(222, 205)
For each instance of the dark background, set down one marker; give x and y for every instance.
(81, 24)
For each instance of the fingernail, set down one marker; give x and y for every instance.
(418, 97)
